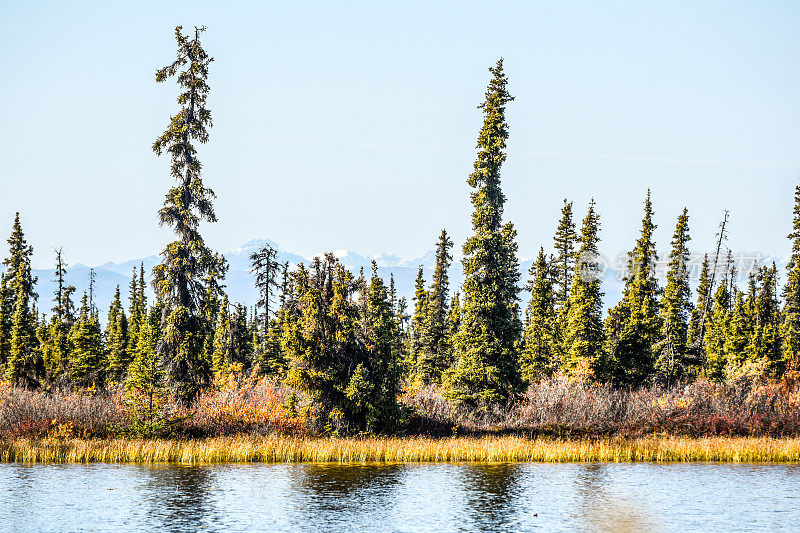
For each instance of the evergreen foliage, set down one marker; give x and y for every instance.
(118, 354)
(715, 333)
(434, 359)
(790, 329)
(698, 318)
(145, 386)
(672, 363)
(179, 280)
(87, 364)
(348, 342)
(538, 357)
(487, 343)
(632, 326)
(342, 351)
(584, 337)
(764, 348)
(19, 329)
(416, 337)
(564, 264)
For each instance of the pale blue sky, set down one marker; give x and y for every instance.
(352, 125)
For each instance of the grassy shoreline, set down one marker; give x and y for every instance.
(287, 449)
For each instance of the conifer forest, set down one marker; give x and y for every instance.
(329, 351)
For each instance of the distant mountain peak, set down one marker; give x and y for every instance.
(254, 245)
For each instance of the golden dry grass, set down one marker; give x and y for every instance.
(400, 450)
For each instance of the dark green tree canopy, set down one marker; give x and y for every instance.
(178, 279)
(485, 346)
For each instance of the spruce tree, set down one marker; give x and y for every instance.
(145, 385)
(435, 349)
(266, 269)
(242, 348)
(210, 303)
(716, 334)
(86, 348)
(393, 295)
(790, 328)
(538, 357)
(222, 342)
(633, 325)
(5, 321)
(740, 330)
(676, 306)
(118, 354)
(54, 339)
(179, 279)
(137, 315)
(486, 346)
(563, 266)
(21, 322)
(419, 319)
(583, 355)
(324, 338)
(454, 319)
(375, 383)
(63, 309)
(699, 315)
(764, 348)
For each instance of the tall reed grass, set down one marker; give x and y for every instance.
(399, 450)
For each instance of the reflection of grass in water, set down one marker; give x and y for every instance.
(400, 450)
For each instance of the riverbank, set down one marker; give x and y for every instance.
(271, 449)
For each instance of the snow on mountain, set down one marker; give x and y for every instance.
(389, 259)
(239, 258)
(239, 281)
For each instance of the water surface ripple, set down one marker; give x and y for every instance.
(417, 497)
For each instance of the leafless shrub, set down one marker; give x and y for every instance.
(571, 407)
(26, 412)
(745, 406)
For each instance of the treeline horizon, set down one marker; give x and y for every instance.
(349, 343)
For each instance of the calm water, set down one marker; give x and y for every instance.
(466, 497)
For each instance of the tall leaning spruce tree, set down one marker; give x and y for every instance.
(179, 279)
(487, 342)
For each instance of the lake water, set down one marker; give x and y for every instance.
(417, 497)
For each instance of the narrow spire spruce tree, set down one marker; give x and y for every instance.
(538, 358)
(676, 306)
(486, 345)
(633, 325)
(21, 323)
(583, 338)
(790, 327)
(434, 338)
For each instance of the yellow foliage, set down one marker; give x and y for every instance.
(277, 448)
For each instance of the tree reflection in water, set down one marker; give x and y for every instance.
(345, 495)
(491, 495)
(179, 497)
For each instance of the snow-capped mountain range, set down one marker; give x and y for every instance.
(239, 280)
